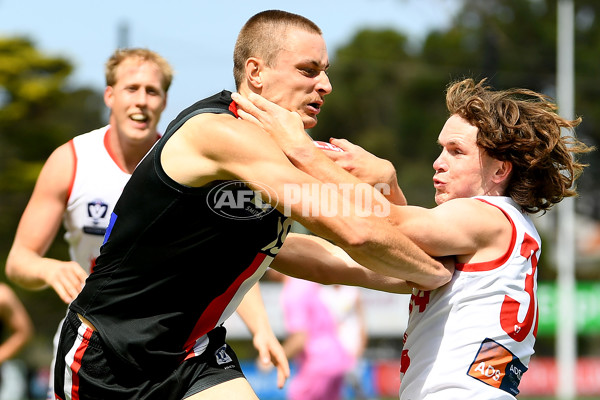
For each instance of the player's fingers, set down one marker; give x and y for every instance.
(75, 279)
(249, 117)
(343, 143)
(283, 367)
(81, 274)
(261, 103)
(281, 377)
(245, 104)
(71, 291)
(335, 156)
(63, 293)
(264, 356)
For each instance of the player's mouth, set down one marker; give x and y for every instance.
(315, 107)
(438, 183)
(139, 117)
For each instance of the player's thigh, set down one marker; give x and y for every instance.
(238, 389)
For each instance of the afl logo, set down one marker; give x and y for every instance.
(236, 200)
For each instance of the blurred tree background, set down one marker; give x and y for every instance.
(388, 97)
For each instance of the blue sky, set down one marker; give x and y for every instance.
(197, 38)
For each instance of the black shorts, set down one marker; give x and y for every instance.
(86, 370)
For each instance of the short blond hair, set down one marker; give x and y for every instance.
(120, 55)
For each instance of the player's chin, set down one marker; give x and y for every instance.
(440, 197)
(310, 121)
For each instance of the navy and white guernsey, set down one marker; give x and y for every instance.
(171, 269)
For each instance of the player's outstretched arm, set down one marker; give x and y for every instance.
(270, 352)
(315, 259)
(14, 315)
(26, 264)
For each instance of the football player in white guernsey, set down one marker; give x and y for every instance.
(82, 180)
(502, 159)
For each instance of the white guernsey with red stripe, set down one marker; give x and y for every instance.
(473, 338)
(96, 186)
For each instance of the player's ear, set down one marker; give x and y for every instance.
(254, 69)
(108, 96)
(503, 170)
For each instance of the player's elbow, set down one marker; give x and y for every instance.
(439, 274)
(11, 268)
(354, 240)
(433, 282)
(16, 270)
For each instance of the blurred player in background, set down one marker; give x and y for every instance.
(346, 304)
(16, 328)
(81, 181)
(325, 336)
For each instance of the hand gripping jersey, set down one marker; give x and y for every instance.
(97, 184)
(177, 260)
(473, 338)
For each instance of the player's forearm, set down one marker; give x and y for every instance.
(390, 253)
(378, 244)
(395, 195)
(27, 269)
(294, 344)
(252, 311)
(369, 279)
(354, 274)
(409, 265)
(315, 259)
(15, 342)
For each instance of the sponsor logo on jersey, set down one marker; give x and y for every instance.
(222, 356)
(497, 366)
(241, 200)
(96, 210)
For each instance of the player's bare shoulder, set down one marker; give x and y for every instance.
(211, 147)
(62, 158)
(465, 206)
(187, 153)
(468, 213)
(217, 135)
(57, 173)
(230, 140)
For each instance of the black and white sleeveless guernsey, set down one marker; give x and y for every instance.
(171, 268)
